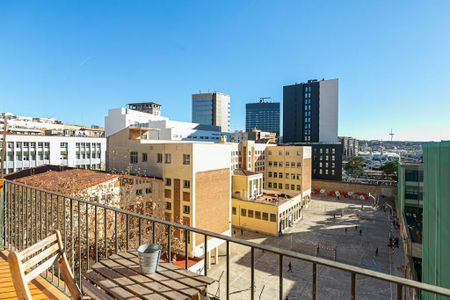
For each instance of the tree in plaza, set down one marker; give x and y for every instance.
(354, 166)
(390, 169)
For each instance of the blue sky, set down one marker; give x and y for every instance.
(73, 60)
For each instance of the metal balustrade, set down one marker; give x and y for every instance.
(29, 214)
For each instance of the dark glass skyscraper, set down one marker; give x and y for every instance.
(264, 116)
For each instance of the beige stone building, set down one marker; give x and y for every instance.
(196, 179)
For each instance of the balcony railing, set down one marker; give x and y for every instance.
(92, 231)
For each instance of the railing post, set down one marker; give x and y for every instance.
(169, 244)
(79, 243)
(186, 254)
(206, 254)
(87, 237)
(228, 269)
(2, 214)
(280, 278)
(96, 233)
(399, 291)
(314, 282)
(252, 273)
(353, 297)
(116, 239)
(105, 232)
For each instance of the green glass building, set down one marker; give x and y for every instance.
(436, 216)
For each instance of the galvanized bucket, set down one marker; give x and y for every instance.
(149, 257)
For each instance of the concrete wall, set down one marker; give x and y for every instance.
(328, 111)
(375, 190)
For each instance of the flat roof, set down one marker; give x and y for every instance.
(243, 172)
(272, 197)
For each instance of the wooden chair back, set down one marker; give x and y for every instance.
(37, 259)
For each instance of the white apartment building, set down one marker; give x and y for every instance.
(27, 151)
(161, 128)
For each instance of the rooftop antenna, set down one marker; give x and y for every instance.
(263, 99)
(392, 134)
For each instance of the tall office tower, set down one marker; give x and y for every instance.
(310, 112)
(263, 115)
(211, 109)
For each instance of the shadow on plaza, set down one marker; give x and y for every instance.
(327, 238)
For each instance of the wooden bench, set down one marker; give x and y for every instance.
(31, 262)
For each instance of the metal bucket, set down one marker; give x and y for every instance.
(149, 255)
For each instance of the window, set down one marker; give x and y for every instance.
(168, 158)
(186, 184)
(270, 185)
(275, 174)
(168, 205)
(159, 158)
(257, 214)
(186, 209)
(280, 163)
(233, 210)
(265, 216)
(168, 182)
(250, 213)
(186, 159)
(148, 190)
(280, 175)
(270, 163)
(287, 175)
(287, 153)
(138, 192)
(133, 157)
(298, 187)
(243, 212)
(286, 186)
(167, 193)
(144, 157)
(270, 174)
(280, 186)
(275, 164)
(273, 218)
(292, 164)
(292, 187)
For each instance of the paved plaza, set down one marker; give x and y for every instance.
(323, 228)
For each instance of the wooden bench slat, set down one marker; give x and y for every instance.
(38, 246)
(184, 279)
(161, 291)
(40, 257)
(92, 291)
(176, 285)
(42, 267)
(131, 286)
(109, 286)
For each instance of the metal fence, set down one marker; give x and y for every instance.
(92, 231)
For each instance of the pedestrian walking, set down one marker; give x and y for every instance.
(376, 252)
(242, 232)
(360, 232)
(334, 216)
(290, 267)
(345, 229)
(356, 227)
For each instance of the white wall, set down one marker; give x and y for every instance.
(120, 118)
(328, 110)
(55, 155)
